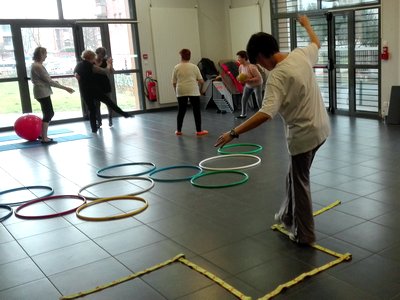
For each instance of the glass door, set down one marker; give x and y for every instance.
(60, 63)
(355, 58)
(367, 60)
(10, 100)
(348, 70)
(341, 59)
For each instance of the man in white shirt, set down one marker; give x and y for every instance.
(293, 92)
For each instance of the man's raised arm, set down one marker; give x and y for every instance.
(305, 22)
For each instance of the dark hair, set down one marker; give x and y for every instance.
(185, 54)
(102, 51)
(242, 54)
(39, 53)
(261, 43)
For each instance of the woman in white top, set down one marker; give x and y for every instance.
(42, 84)
(186, 78)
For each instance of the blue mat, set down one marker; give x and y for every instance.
(14, 137)
(38, 143)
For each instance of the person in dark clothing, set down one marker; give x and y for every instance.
(103, 83)
(88, 86)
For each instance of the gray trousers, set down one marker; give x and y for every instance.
(296, 210)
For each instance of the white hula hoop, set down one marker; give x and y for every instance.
(201, 164)
(118, 179)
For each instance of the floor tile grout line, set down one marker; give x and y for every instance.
(44, 274)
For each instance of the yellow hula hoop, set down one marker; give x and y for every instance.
(114, 217)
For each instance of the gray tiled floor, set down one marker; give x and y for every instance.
(226, 231)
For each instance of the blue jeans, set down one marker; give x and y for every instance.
(247, 91)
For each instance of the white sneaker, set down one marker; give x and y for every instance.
(293, 238)
(279, 220)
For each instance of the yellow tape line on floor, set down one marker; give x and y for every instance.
(123, 279)
(324, 209)
(300, 278)
(179, 258)
(340, 258)
(281, 229)
(214, 278)
(318, 212)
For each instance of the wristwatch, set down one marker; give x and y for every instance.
(233, 133)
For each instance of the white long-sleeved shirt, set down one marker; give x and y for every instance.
(42, 81)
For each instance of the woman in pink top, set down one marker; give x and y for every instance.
(252, 80)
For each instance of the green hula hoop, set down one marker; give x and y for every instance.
(193, 180)
(257, 149)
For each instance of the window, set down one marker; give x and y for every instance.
(7, 59)
(28, 9)
(342, 3)
(125, 58)
(348, 69)
(99, 9)
(290, 6)
(90, 21)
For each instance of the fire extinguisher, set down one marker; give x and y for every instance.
(385, 51)
(150, 88)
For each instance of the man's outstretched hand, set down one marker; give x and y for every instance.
(223, 139)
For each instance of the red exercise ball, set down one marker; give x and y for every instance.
(28, 127)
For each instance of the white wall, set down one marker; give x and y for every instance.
(214, 40)
(214, 34)
(265, 17)
(390, 28)
(265, 10)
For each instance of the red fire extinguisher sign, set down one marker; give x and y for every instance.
(385, 51)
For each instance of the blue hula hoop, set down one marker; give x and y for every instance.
(153, 167)
(7, 215)
(175, 167)
(31, 187)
